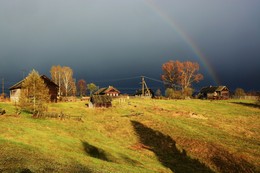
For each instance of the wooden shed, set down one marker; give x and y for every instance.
(101, 101)
(15, 90)
(214, 92)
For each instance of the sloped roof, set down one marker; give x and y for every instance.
(212, 89)
(45, 78)
(17, 85)
(100, 99)
(106, 90)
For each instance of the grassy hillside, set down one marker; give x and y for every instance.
(138, 135)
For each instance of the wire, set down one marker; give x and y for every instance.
(116, 80)
(156, 80)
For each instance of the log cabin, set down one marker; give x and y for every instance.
(214, 92)
(15, 90)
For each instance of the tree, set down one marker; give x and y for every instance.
(82, 87)
(169, 93)
(170, 74)
(73, 90)
(158, 93)
(67, 79)
(189, 74)
(239, 92)
(187, 92)
(92, 87)
(56, 72)
(34, 93)
(63, 77)
(178, 74)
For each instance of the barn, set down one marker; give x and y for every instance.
(15, 90)
(214, 92)
(109, 91)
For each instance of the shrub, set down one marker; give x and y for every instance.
(173, 94)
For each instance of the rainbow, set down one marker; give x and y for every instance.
(170, 21)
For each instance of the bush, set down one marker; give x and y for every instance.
(239, 92)
(173, 94)
(187, 92)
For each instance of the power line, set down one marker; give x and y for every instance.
(156, 80)
(116, 80)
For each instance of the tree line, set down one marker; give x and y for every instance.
(63, 77)
(177, 77)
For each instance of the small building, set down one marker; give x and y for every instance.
(15, 90)
(98, 101)
(109, 91)
(214, 92)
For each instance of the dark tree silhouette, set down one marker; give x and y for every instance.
(165, 149)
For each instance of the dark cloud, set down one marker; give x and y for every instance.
(115, 39)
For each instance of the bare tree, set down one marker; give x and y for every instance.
(180, 73)
(63, 77)
(67, 79)
(82, 87)
(56, 74)
(189, 74)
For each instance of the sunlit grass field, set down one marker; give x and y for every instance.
(138, 135)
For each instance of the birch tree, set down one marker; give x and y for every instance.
(63, 77)
(67, 79)
(56, 74)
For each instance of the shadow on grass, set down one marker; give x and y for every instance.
(95, 152)
(165, 149)
(253, 105)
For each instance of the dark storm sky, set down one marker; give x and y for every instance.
(105, 40)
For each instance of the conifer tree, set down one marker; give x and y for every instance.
(34, 93)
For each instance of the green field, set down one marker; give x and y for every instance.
(138, 135)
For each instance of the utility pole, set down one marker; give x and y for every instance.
(3, 87)
(144, 87)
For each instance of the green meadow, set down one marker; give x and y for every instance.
(137, 135)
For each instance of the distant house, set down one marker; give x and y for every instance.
(100, 101)
(214, 92)
(15, 90)
(109, 91)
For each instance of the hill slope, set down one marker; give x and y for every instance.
(134, 136)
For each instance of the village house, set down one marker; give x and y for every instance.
(214, 92)
(15, 90)
(109, 91)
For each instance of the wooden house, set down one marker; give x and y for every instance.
(214, 92)
(97, 101)
(15, 90)
(109, 91)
